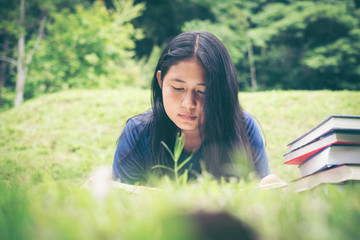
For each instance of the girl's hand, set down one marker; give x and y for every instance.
(272, 179)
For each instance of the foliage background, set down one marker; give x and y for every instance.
(295, 44)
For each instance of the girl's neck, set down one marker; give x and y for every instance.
(193, 141)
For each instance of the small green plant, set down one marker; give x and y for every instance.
(179, 146)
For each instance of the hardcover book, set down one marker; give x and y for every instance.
(300, 155)
(332, 123)
(330, 156)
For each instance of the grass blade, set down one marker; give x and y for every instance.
(161, 166)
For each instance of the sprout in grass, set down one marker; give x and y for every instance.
(178, 148)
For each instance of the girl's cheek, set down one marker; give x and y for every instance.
(170, 96)
(166, 92)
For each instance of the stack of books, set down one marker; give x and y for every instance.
(328, 153)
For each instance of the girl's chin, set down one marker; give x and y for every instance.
(186, 126)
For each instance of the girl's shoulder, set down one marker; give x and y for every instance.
(141, 119)
(138, 124)
(252, 126)
(249, 119)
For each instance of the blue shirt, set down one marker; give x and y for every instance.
(133, 157)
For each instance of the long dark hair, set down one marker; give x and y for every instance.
(224, 129)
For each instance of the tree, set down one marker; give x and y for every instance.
(163, 19)
(284, 44)
(315, 43)
(8, 30)
(23, 62)
(87, 48)
(22, 28)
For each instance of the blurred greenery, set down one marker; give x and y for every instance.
(297, 44)
(50, 145)
(94, 49)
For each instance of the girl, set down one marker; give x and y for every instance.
(194, 92)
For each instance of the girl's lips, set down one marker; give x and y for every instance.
(187, 117)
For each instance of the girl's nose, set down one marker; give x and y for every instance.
(188, 101)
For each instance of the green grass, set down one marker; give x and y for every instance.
(49, 146)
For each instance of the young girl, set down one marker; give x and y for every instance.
(194, 92)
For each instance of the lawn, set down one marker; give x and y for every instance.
(50, 145)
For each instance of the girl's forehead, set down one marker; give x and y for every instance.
(186, 72)
(186, 68)
(188, 62)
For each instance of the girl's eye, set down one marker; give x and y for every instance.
(177, 89)
(201, 92)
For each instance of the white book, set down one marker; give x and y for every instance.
(330, 156)
(338, 174)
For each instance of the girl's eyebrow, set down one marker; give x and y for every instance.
(182, 81)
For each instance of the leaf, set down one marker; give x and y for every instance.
(168, 149)
(161, 166)
(184, 162)
(179, 146)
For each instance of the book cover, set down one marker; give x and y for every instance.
(330, 156)
(301, 154)
(332, 123)
(337, 174)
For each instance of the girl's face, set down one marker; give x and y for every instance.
(183, 90)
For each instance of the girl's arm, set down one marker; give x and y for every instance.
(129, 160)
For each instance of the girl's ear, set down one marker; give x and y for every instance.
(158, 76)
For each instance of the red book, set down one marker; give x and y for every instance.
(301, 154)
